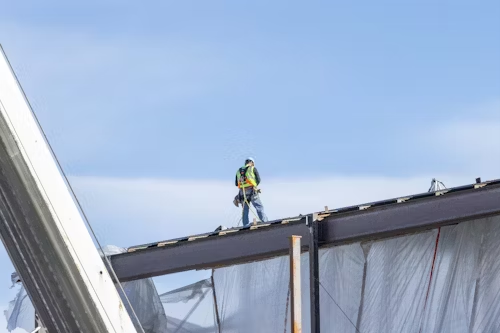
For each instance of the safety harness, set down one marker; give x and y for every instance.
(246, 179)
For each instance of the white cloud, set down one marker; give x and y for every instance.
(476, 140)
(471, 140)
(134, 211)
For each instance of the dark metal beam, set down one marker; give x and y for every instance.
(221, 250)
(412, 216)
(383, 219)
(312, 221)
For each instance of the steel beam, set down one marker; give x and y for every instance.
(413, 215)
(312, 222)
(223, 250)
(371, 221)
(43, 231)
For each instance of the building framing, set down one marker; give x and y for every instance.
(375, 220)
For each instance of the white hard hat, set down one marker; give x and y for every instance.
(250, 159)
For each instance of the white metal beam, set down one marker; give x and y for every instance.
(43, 230)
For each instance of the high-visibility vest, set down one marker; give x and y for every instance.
(246, 177)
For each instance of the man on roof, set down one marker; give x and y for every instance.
(247, 179)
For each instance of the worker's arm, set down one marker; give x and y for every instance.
(257, 176)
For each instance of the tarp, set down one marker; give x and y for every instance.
(20, 312)
(187, 293)
(194, 305)
(142, 295)
(144, 299)
(444, 280)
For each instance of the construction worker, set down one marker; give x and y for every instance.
(247, 179)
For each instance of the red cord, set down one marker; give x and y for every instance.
(432, 271)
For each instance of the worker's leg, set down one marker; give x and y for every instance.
(241, 198)
(259, 207)
(245, 214)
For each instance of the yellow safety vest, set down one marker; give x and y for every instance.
(246, 177)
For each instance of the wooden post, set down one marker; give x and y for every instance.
(296, 301)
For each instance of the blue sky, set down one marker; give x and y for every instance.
(151, 108)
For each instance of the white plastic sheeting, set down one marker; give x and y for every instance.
(190, 309)
(144, 298)
(465, 292)
(253, 297)
(442, 280)
(20, 313)
(142, 295)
